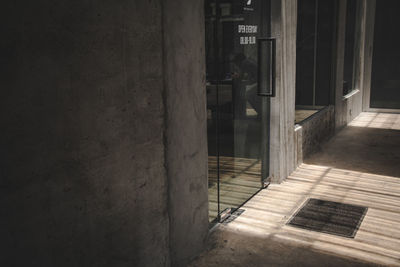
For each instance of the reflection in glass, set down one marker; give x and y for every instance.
(385, 80)
(349, 51)
(315, 29)
(235, 111)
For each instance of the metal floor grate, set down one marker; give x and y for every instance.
(329, 217)
(233, 216)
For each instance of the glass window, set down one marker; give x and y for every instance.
(385, 79)
(315, 32)
(349, 52)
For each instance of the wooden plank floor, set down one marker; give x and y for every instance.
(378, 238)
(239, 180)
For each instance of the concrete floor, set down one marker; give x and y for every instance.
(360, 165)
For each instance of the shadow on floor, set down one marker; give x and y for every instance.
(237, 249)
(359, 166)
(363, 149)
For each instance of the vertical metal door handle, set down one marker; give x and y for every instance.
(266, 70)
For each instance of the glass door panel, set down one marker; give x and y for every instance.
(212, 108)
(238, 115)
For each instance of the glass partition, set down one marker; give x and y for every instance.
(385, 78)
(314, 57)
(349, 49)
(237, 114)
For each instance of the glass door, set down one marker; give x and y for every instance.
(240, 79)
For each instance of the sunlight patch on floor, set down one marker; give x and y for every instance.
(377, 120)
(378, 238)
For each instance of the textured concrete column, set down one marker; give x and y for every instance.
(103, 141)
(186, 139)
(349, 107)
(369, 42)
(284, 23)
(340, 105)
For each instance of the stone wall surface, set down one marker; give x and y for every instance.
(316, 130)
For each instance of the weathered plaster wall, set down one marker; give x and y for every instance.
(92, 118)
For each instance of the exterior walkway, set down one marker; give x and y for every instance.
(361, 166)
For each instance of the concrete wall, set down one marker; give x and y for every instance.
(340, 104)
(289, 147)
(369, 41)
(313, 132)
(318, 128)
(282, 155)
(349, 107)
(186, 127)
(90, 132)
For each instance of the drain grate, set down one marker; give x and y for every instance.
(233, 216)
(329, 217)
